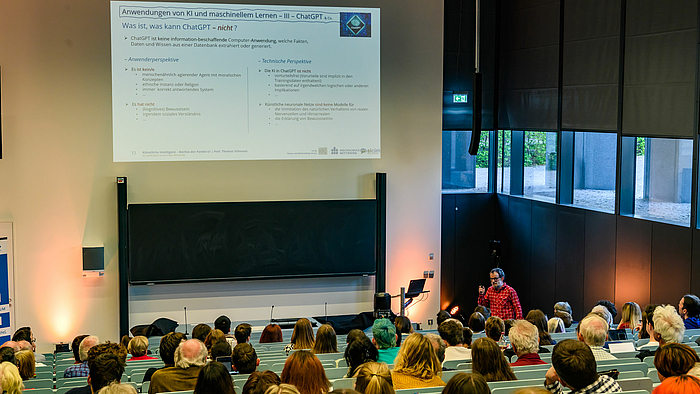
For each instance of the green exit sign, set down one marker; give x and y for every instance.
(459, 98)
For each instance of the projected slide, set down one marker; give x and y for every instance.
(244, 82)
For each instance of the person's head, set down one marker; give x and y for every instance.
(374, 378)
(485, 312)
(10, 381)
(271, 333)
(244, 359)
(574, 363)
(304, 370)
(384, 333)
(604, 313)
(223, 323)
(24, 345)
(115, 349)
(355, 333)
(497, 277)
(85, 345)
(7, 354)
(451, 332)
(609, 306)
(242, 332)
(467, 334)
(220, 349)
(467, 383)
(489, 361)
(138, 346)
(214, 378)
(282, 388)
(632, 314)
(13, 345)
(303, 334)
(555, 324)
(648, 321)
(438, 345)
(673, 359)
(403, 325)
(565, 317)
(191, 353)
(25, 363)
(683, 384)
(538, 319)
(360, 351)
(508, 323)
(259, 382)
(442, 316)
(524, 337)
(117, 388)
(477, 322)
(200, 331)
(563, 306)
(125, 341)
(668, 325)
(494, 328)
(168, 344)
(75, 346)
(23, 334)
(417, 358)
(593, 330)
(213, 337)
(689, 306)
(107, 367)
(326, 340)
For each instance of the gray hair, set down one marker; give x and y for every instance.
(668, 324)
(594, 329)
(525, 337)
(603, 312)
(198, 360)
(562, 306)
(85, 345)
(117, 388)
(556, 324)
(437, 340)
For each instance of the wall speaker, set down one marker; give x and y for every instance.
(93, 258)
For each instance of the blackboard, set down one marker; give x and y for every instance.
(189, 242)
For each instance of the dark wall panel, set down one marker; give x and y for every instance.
(517, 266)
(633, 261)
(670, 263)
(599, 260)
(447, 249)
(570, 261)
(544, 246)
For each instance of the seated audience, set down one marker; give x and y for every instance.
(467, 383)
(674, 359)
(562, 310)
(168, 344)
(200, 331)
(242, 333)
(565, 317)
(220, 349)
(610, 307)
(489, 361)
(477, 323)
(302, 336)
(442, 316)
(13, 345)
(403, 326)
(485, 312)
(214, 378)
(384, 338)
(604, 313)
(593, 331)
(494, 328)
(416, 364)
(125, 341)
(555, 325)
(453, 336)
(305, 371)
(682, 384)
(574, 366)
(259, 382)
(82, 370)
(668, 327)
(526, 343)
(190, 356)
(508, 323)
(374, 378)
(539, 320)
(223, 323)
(439, 347)
(358, 352)
(326, 340)
(7, 354)
(355, 334)
(25, 334)
(118, 388)
(648, 326)
(10, 381)
(244, 359)
(282, 389)
(138, 347)
(213, 337)
(271, 333)
(26, 364)
(75, 347)
(467, 334)
(106, 364)
(689, 308)
(631, 316)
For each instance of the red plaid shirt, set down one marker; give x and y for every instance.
(503, 303)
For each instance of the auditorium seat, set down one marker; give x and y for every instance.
(421, 390)
(636, 384)
(343, 383)
(452, 364)
(517, 383)
(40, 383)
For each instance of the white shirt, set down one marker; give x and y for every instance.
(457, 353)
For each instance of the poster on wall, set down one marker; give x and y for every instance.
(6, 280)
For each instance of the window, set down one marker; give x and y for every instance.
(503, 161)
(540, 165)
(462, 172)
(594, 161)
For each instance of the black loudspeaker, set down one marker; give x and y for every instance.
(476, 116)
(382, 305)
(380, 277)
(93, 258)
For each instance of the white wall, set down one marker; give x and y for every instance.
(57, 180)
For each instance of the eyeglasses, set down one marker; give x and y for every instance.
(33, 339)
(495, 279)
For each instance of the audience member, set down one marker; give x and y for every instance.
(374, 378)
(565, 317)
(384, 338)
(631, 316)
(125, 341)
(467, 383)
(244, 359)
(555, 325)
(190, 356)
(689, 308)
(416, 364)
(13, 345)
(75, 347)
(214, 337)
(439, 347)
(442, 316)
(574, 366)
(214, 378)
(282, 388)
(25, 334)
(525, 339)
(563, 306)
(223, 323)
(647, 330)
(220, 349)
(508, 324)
(271, 333)
(494, 328)
(355, 334)
(486, 312)
(477, 323)
(200, 331)
(168, 344)
(107, 367)
(138, 347)
(489, 361)
(539, 320)
(242, 333)
(467, 334)
(609, 306)
(668, 325)
(326, 340)
(358, 352)
(259, 382)
(674, 359)
(452, 334)
(304, 371)
(604, 313)
(593, 331)
(118, 388)
(403, 326)
(82, 370)
(683, 384)
(7, 354)
(10, 381)
(26, 364)
(302, 336)
(501, 298)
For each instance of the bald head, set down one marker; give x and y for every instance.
(191, 353)
(593, 330)
(12, 344)
(24, 345)
(85, 345)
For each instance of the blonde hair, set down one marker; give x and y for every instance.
(117, 388)
(10, 380)
(25, 364)
(282, 388)
(417, 357)
(303, 334)
(374, 378)
(556, 324)
(632, 314)
(138, 346)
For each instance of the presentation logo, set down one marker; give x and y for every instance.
(355, 24)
